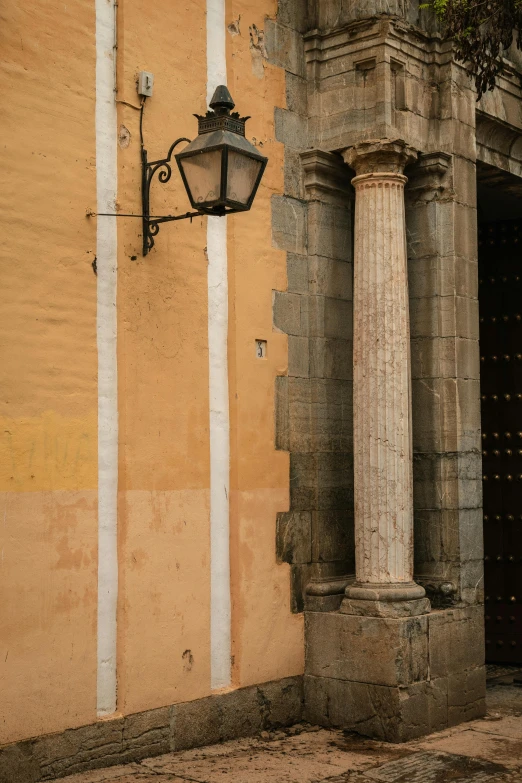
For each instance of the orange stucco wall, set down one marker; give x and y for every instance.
(267, 638)
(48, 370)
(164, 607)
(48, 404)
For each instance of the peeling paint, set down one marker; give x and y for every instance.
(257, 51)
(124, 137)
(233, 27)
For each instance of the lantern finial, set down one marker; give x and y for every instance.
(222, 101)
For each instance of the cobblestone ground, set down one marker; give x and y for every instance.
(481, 751)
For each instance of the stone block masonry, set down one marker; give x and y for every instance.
(239, 713)
(312, 222)
(395, 679)
(378, 82)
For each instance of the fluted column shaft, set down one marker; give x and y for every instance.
(382, 388)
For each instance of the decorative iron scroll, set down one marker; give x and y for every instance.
(163, 168)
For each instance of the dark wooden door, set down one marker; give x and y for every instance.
(500, 301)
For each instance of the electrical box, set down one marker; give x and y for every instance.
(145, 83)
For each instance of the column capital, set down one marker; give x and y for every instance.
(379, 156)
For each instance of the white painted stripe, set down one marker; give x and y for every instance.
(216, 46)
(220, 619)
(106, 255)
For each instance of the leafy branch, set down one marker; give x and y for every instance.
(481, 30)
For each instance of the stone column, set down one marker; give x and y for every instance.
(384, 585)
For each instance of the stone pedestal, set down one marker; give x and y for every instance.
(395, 678)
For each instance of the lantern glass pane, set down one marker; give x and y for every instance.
(242, 176)
(203, 175)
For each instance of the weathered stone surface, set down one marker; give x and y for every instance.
(395, 714)
(401, 608)
(389, 713)
(203, 721)
(448, 480)
(18, 763)
(287, 312)
(296, 93)
(329, 317)
(465, 181)
(146, 734)
(441, 276)
(418, 674)
(347, 104)
(299, 577)
(282, 422)
(477, 751)
(329, 230)
(298, 356)
(333, 13)
(300, 414)
(294, 14)
(316, 573)
(471, 579)
(444, 357)
(297, 273)
(447, 536)
(331, 358)
(367, 649)
(294, 536)
(445, 316)
(331, 415)
(381, 371)
(282, 702)
(75, 750)
(456, 640)
(330, 277)
(284, 47)
(322, 603)
(289, 231)
(437, 703)
(293, 174)
(291, 128)
(446, 415)
(239, 713)
(333, 534)
(466, 692)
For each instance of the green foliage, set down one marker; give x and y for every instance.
(481, 30)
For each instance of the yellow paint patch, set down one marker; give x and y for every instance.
(48, 453)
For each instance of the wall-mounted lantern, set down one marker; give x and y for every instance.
(220, 169)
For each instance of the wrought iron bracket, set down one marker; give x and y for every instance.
(151, 223)
(163, 168)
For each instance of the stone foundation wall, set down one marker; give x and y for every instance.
(239, 713)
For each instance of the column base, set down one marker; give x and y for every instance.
(385, 600)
